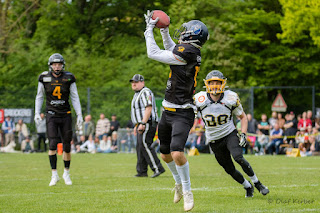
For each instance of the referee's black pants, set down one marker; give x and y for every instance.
(145, 153)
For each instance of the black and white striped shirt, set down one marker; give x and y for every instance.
(140, 101)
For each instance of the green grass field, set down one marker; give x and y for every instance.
(105, 183)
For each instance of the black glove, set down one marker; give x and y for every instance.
(242, 139)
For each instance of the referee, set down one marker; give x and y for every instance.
(144, 117)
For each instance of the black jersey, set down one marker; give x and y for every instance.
(182, 79)
(57, 91)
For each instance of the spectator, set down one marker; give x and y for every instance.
(103, 126)
(8, 128)
(27, 145)
(264, 126)
(309, 116)
(114, 141)
(41, 131)
(89, 145)
(252, 129)
(88, 127)
(290, 129)
(81, 141)
(22, 130)
(199, 142)
(273, 120)
(261, 143)
(114, 124)
(276, 139)
(281, 121)
(304, 122)
(105, 145)
(301, 136)
(127, 140)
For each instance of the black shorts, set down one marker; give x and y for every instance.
(173, 129)
(59, 130)
(223, 147)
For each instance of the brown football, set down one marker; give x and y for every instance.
(164, 19)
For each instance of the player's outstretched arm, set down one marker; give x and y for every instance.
(168, 43)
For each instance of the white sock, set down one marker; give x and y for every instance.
(54, 172)
(185, 177)
(246, 184)
(66, 171)
(254, 179)
(173, 169)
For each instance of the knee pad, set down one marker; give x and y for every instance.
(241, 161)
(67, 147)
(177, 147)
(164, 149)
(53, 143)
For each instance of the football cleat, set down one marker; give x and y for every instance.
(54, 180)
(261, 188)
(177, 193)
(188, 201)
(249, 191)
(67, 180)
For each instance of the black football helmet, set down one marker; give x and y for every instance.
(194, 32)
(56, 58)
(215, 75)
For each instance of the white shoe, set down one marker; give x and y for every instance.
(54, 180)
(67, 180)
(177, 193)
(188, 201)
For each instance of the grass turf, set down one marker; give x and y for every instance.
(105, 183)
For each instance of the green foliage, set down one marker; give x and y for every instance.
(253, 42)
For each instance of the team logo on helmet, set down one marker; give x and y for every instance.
(196, 29)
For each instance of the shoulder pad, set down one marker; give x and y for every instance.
(231, 98)
(201, 99)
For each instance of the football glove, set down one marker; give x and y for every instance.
(243, 139)
(37, 119)
(79, 122)
(149, 21)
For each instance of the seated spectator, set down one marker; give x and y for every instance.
(114, 141)
(264, 126)
(127, 140)
(281, 121)
(22, 130)
(80, 142)
(89, 145)
(276, 139)
(304, 122)
(273, 120)
(199, 142)
(290, 129)
(305, 148)
(27, 145)
(301, 136)
(105, 145)
(261, 143)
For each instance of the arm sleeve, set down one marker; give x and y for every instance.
(75, 98)
(155, 53)
(39, 98)
(168, 43)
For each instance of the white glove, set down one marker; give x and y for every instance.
(37, 119)
(243, 139)
(149, 21)
(164, 30)
(79, 122)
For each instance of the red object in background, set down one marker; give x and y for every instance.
(1, 115)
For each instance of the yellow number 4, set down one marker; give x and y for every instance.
(56, 92)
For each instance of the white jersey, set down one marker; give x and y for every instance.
(217, 116)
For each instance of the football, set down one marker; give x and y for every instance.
(164, 19)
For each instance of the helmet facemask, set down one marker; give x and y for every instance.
(56, 58)
(215, 89)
